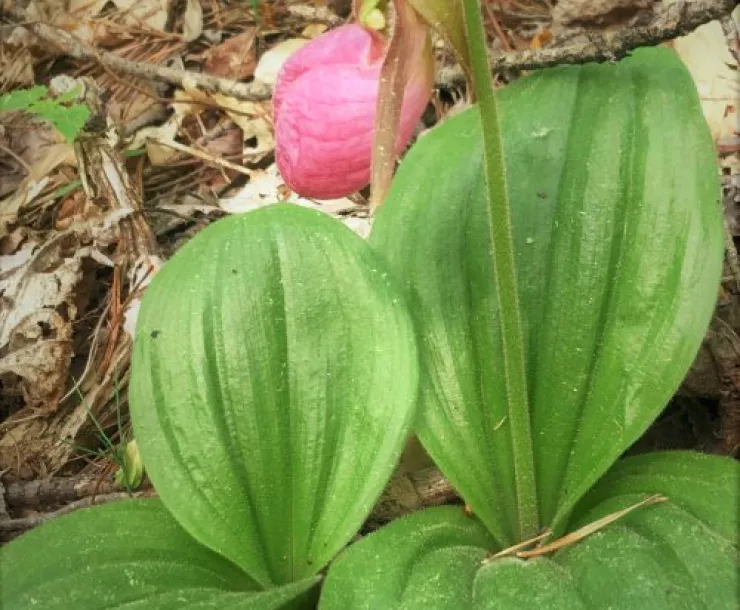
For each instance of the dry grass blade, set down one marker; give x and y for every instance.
(573, 537)
(200, 154)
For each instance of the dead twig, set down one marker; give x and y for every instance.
(203, 155)
(312, 13)
(410, 492)
(4, 516)
(667, 23)
(16, 158)
(404, 494)
(14, 527)
(77, 49)
(55, 491)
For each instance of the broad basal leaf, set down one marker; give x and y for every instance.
(705, 486)
(614, 192)
(514, 584)
(130, 554)
(664, 556)
(658, 557)
(426, 561)
(273, 384)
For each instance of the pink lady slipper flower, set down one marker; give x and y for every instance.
(324, 107)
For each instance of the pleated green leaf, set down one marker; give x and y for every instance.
(613, 185)
(273, 386)
(513, 584)
(686, 546)
(132, 555)
(705, 486)
(426, 561)
(663, 556)
(659, 557)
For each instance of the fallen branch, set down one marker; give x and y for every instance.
(55, 491)
(308, 12)
(12, 528)
(74, 47)
(673, 20)
(411, 492)
(668, 22)
(403, 495)
(4, 516)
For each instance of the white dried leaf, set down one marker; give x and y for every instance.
(86, 8)
(152, 13)
(149, 136)
(35, 337)
(312, 30)
(10, 206)
(267, 187)
(358, 224)
(141, 275)
(705, 53)
(253, 118)
(192, 24)
(270, 63)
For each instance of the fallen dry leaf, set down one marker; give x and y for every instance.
(149, 137)
(192, 20)
(32, 446)
(152, 13)
(312, 30)
(17, 63)
(39, 353)
(86, 8)
(52, 157)
(541, 38)
(270, 63)
(10, 206)
(128, 105)
(26, 144)
(267, 187)
(75, 18)
(228, 145)
(234, 58)
(715, 73)
(11, 246)
(143, 271)
(75, 208)
(34, 182)
(39, 300)
(254, 119)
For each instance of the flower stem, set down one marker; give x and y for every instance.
(504, 276)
